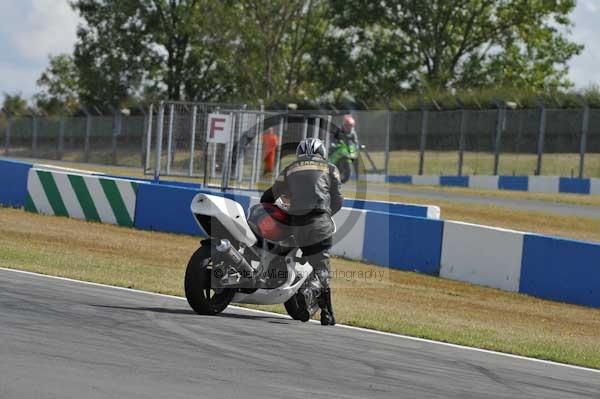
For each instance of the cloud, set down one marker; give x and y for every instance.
(584, 69)
(30, 30)
(50, 28)
(17, 79)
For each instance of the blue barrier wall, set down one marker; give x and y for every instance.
(165, 208)
(403, 242)
(389, 207)
(562, 270)
(518, 183)
(399, 179)
(13, 183)
(574, 185)
(454, 181)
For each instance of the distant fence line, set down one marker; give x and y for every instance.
(539, 141)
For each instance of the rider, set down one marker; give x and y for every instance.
(347, 132)
(312, 186)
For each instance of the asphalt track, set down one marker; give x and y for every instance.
(66, 339)
(562, 209)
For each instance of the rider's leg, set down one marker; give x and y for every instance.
(320, 261)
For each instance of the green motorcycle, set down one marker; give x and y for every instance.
(344, 155)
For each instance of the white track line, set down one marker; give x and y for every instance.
(365, 330)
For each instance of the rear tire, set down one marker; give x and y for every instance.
(200, 296)
(296, 310)
(344, 166)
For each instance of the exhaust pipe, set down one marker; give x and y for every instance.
(231, 256)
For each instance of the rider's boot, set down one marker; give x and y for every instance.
(327, 317)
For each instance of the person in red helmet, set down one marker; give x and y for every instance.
(347, 132)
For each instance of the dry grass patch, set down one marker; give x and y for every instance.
(406, 303)
(574, 227)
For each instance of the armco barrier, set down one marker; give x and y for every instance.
(13, 183)
(515, 183)
(595, 186)
(86, 197)
(574, 186)
(562, 270)
(350, 234)
(534, 184)
(403, 242)
(544, 184)
(482, 255)
(484, 182)
(395, 208)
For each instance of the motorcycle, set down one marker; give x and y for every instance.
(250, 261)
(344, 155)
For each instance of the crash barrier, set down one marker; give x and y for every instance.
(82, 196)
(426, 211)
(13, 183)
(546, 267)
(533, 184)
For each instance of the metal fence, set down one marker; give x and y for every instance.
(503, 141)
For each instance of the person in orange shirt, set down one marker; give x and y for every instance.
(270, 142)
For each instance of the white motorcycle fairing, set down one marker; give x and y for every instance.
(228, 212)
(282, 293)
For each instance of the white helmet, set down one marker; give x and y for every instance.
(310, 147)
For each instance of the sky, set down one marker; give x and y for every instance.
(31, 30)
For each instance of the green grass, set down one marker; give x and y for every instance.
(481, 163)
(405, 303)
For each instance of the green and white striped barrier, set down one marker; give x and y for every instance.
(92, 198)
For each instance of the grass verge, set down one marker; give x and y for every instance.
(406, 303)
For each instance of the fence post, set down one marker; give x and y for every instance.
(423, 143)
(8, 132)
(226, 168)
(584, 133)
(159, 139)
(388, 132)
(500, 124)
(461, 135)
(305, 128)
(279, 142)
(143, 138)
(241, 144)
(116, 132)
(61, 137)
(541, 136)
(88, 132)
(193, 140)
(170, 139)
(316, 128)
(255, 162)
(34, 140)
(149, 137)
(328, 132)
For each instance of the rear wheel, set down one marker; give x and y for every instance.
(201, 297)
(297, 309)
(345, 168)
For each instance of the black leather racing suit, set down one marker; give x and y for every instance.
(312, 187)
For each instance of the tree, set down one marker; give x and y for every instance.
(60, 86)
(172, 46)
(14, 104)
(277, 39)
(445, 43)
(112, 54)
